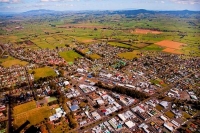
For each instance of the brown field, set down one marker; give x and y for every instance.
(145, 31)
(171, 50)
(170, 44)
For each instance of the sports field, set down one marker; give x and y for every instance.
(43, 72)
(129, 55)
(69, 56)
(9, 61)
(30, 112)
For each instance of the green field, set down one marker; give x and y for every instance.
(153, 47)
(169, 114)
(30, 112)
(95, 56)
(159, 108)
(129, 55)
(69, 56)
(43, 72)
(24, 107)
(119, 44)
(9, 61)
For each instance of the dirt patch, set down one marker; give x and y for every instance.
(28, 42)
(145, 31)
(88, 40)
(171, 50)
(170, 44)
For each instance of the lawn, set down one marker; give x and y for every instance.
(129, 55)
(159, 82)
(35, 115)
(85, 50)
(24, 107)
(95, 56)
(169, 114)
(159, 108)
(69, 56)
(117, 44)
(7, 62)
(52, 99)
(153, 48)
(43, 72)
(186, 115)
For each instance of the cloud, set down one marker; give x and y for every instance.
(10, 1)
(50, 0)
(187, 1)
(4, 1)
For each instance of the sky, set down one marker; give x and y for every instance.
(65, 5)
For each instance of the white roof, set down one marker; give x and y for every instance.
(100, 102)
(168, 127)
(66, 82)
(163, 118)
(130, 124)
(164, 104)
(121, 116)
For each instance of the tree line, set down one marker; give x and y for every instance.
(123, 90)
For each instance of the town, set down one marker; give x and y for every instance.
(99, 71)
(157, 92)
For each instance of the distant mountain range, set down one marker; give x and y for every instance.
(126, 12)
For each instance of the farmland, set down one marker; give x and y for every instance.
(141, 33)
(43, 72)
(69, 56)
(28, 111)
(96, 65)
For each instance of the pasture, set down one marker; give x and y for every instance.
(69, 56)
(129, 55)
(43, 72)
(10, 61)
(28, 111)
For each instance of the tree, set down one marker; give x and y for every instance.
(43, 129)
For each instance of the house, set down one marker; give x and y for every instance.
(74, 107)
(129, 124)
(169, 126)
(164, 104)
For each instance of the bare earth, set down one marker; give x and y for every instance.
(171, 46)
(145, 31)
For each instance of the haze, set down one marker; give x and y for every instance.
(64, 5)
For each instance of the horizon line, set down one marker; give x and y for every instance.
(97, 10)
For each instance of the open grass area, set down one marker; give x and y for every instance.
(35, 115)
(117, 44)
(159, 108)
(159, 82)
(12, 62)
(9, 61)
(69, 56)
(153, 47)
(61, 128)
(52, 99)
(129, 55)
(43, 72)
(24, 107)
(186, 115)
(169, 114)
(85, 50)
(95, 56)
